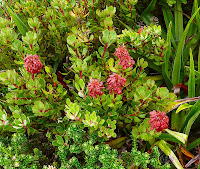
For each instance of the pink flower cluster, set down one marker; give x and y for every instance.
(158, 120)
(32, 64)
(116, 83)
(140, 30)
(95, 87)
(126, 60)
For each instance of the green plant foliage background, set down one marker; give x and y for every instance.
(50, 119)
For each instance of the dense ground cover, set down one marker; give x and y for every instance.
(93, 84)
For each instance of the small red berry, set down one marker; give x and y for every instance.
(158, 120)
(32, 64)
(95, 87)
(125, 59)
(116, 83)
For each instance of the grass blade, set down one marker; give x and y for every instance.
(197, 80)
(191, 121)
(165, 70)
(193, 112)
(150, 7)
(198, 15)
(178, 21)
(169, 18)
(191, 83)
(192, 43)
(20, 25)
(193, 144)
(168, 137)
(199, 60)
(178, 58)
(163, 146)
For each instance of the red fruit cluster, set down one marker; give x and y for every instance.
(32, 64)
(95, 87)
(126, 60)
(116, 83)
(158, 120)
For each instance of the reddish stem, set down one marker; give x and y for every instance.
(6, 13)
(15, 85)
(80, 72)
(47, 110)
(35, 29)
(76, 51)
(31, 47)
(105, 50)
(93, 6)
(43, 131)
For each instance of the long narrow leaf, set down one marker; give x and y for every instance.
(195, 110)
(193, 144)
(193, 30)
(178, 58)
(199, 60)
(191, 121)
(180, 136)
(192, 43)
(20, 25)
(165, 70)
(191, 83)
(197, 80)
(146, 15)
(163, 146)
(197, 73)
(150, 7)
(194, 26)
(168, 137)
(169, 18)
(198, 15)
(178, 21)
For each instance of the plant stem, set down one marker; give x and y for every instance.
(105, 50)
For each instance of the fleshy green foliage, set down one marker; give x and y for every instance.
(15, 154)
(143, 131)
(146, 42)
(28, 97)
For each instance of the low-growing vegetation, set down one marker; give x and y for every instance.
(88, 84)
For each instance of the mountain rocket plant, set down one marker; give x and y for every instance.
(158, 120)
(95, 87)
(32, 64)
(116, 83)
(125, 59)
